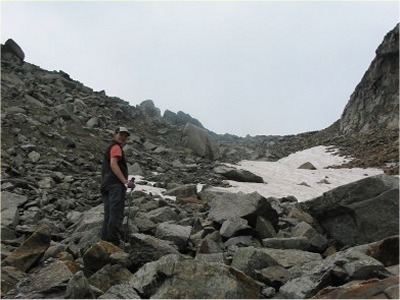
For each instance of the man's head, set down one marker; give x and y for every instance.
(121, 134)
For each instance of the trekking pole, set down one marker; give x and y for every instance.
(131, 184)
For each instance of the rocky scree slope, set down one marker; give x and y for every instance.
(54, 130)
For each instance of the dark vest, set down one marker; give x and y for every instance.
(107, 175)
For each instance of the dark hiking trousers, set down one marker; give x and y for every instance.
(114, 201)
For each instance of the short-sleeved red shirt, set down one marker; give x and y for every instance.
(116, 151)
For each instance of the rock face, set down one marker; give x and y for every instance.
(375, 101)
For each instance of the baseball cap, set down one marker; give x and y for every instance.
(122, 129)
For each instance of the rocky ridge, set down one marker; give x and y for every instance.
(54, 130)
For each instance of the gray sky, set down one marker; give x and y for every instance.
(239, 67)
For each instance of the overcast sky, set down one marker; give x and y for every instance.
(253, 68)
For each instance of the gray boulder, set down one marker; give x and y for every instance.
(352, 214)
(149, 109)
(233, 226)
(243, 176)
(177, 234)
(31, 250)
(189, 278)
(98, 255)
(198, 140)
(92, 122)
(48, 281)
(341, 267)
(247, 206)
(188, 190)
(303, 287)
(11, 51)
(9, 208)
(250, 259)
(110, 275)
(143, 279)
(307, 166)
(10, 276)
(353, 265)
(289, 258)
(264, 228)
(163, 214)
(148, 248)
(317, 241)
(209, 193)
(92, 218)
(275, 276)
(79, 288)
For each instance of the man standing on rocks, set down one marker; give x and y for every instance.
(114, 184)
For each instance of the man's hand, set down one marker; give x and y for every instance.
(131, 183)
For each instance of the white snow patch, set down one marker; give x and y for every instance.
(283, 178)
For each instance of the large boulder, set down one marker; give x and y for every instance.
(177, 234)
(98, 255)
(337, 269)
(10, 202)
(109, 276)
(238, 174)
(359, 212)
(149, 109)
(250, 259)
(48, 281)
(92, 218)
(146, 248)
(31, 250)
(200, 142)
(79, 287)
(177, 278)
(246, 206)
(10, 276)
(11, 51)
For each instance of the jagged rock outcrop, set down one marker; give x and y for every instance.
(374, 105)
(12, 52)
(149, 109)
(181, 118)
